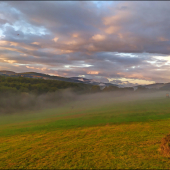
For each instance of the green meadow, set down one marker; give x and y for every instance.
(96, 132)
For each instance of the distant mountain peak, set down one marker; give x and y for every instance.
(7, 72)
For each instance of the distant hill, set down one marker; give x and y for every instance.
(35, 75)
(156, 86)
(93, 82)
(165, 87)
(48, 77)
(7, 72)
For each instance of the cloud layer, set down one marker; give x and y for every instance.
(122, 42)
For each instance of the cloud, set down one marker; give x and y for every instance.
(101, 40)
(98, 37)
(55, 39)
(92, 72)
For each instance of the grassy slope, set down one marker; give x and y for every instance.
(119, 135)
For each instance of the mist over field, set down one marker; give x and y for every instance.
(18, 103)
(13, 103)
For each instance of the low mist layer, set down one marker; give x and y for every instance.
(16, 103)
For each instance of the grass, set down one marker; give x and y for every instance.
(116, 135)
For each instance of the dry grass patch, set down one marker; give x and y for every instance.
(165, 146)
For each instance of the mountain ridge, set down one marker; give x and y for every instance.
(49, 77)
(163, 86)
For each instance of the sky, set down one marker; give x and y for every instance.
(121, 42)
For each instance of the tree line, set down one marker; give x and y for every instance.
(38, 86)
(41, 86)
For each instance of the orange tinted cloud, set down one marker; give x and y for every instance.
(55, 39)
(37, 68)
(75, 35)
(163, 39)
(98, 37)
(93, 72)
(36, 43)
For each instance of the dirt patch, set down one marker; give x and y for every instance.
(165, 146)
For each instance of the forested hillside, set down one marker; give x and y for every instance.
(38, 86)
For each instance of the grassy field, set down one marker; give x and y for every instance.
(121, 133)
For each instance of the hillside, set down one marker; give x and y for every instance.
(156, 86)
(91, 82)
(5, 72)
(48, 77)
(15, 84)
